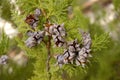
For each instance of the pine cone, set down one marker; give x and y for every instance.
(86, 39)
(32, 19)
(34, 38)
(57, 32)
(3, 59)
(59, 41)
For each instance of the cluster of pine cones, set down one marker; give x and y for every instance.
(75, 53)
(57, 32)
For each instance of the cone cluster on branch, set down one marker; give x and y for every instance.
(57, 32)
(74, 53)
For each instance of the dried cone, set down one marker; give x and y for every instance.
(32, 19)
(34, 38)
(3, 59)
(57, 32)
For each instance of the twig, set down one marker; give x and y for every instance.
(87, 5)
(44, 13)
(48, 58)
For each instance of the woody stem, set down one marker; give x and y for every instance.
(48, 58)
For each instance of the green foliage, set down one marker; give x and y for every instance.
(5, 9)
(116, 4)
(40, 68)
(100, 41)
(79, 21)
(67, 72)
(106, 65)
(52, 9)
(4, 43)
